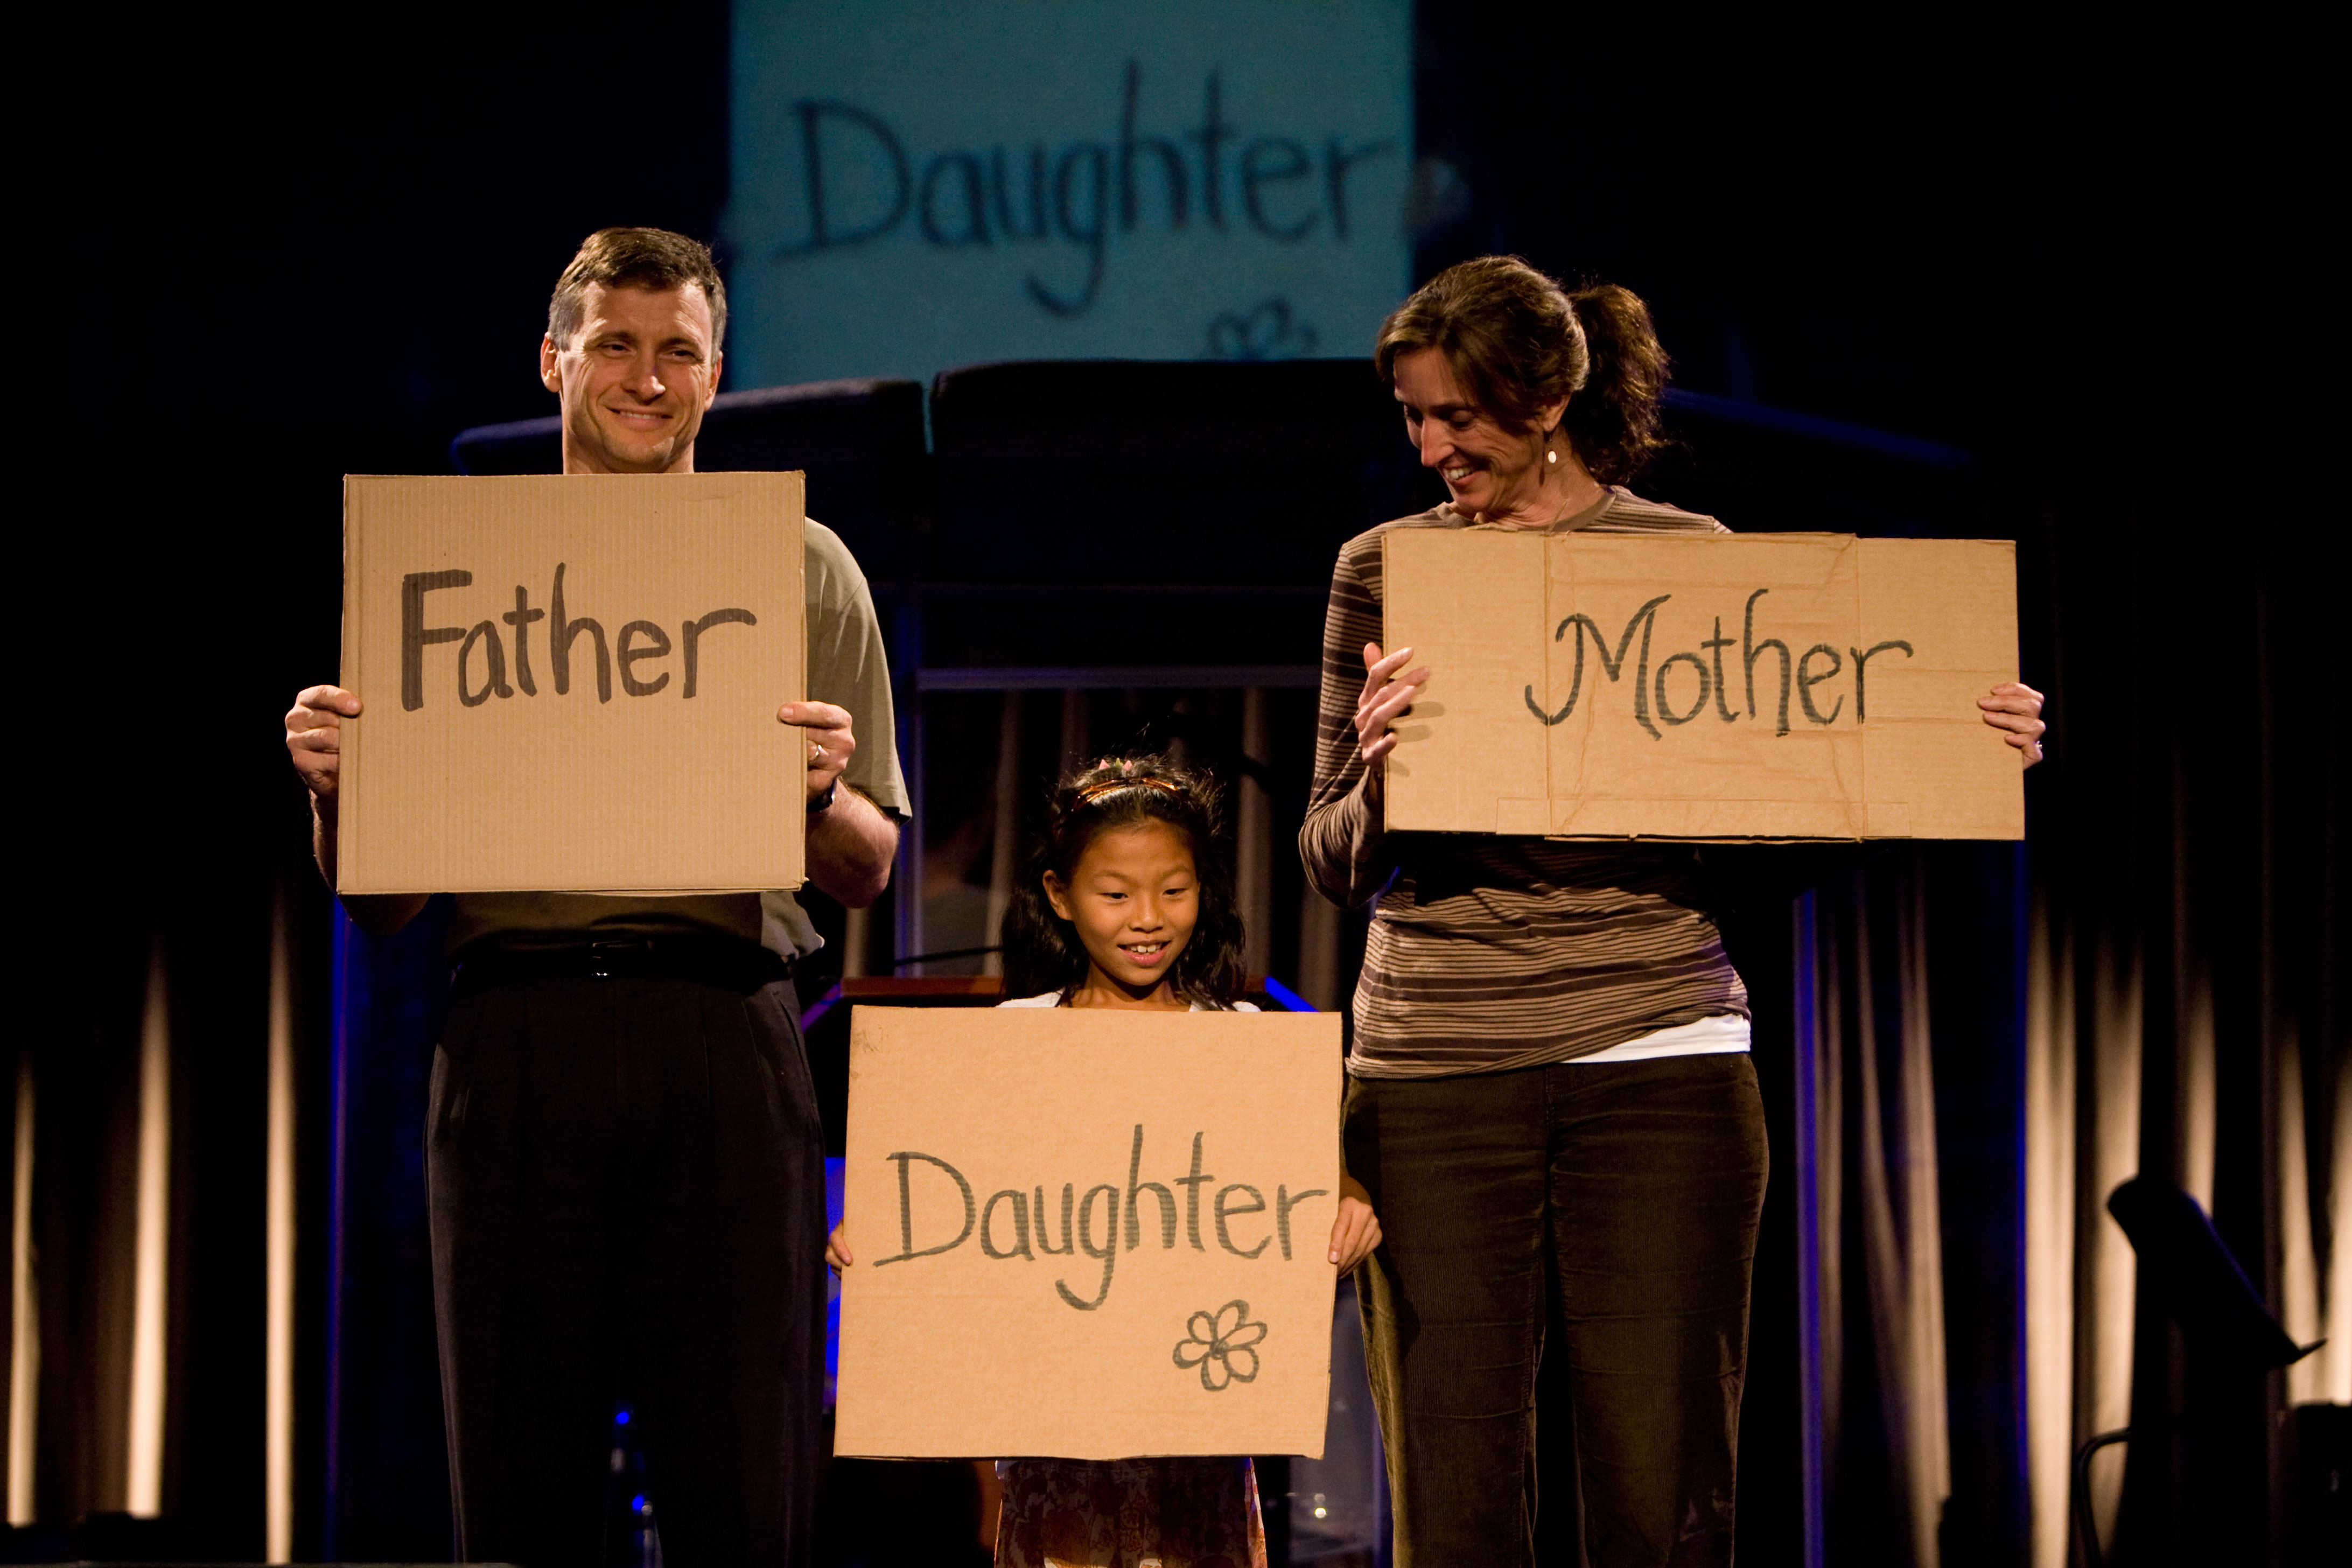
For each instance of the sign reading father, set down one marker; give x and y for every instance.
(1086, 1234)
(1722, 687)
(571, 683)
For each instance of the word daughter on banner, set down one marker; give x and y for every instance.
(1072, 179)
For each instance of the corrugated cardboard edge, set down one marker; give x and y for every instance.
(348, 742)
(798, 556)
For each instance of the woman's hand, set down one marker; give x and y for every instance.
(1357, 1230)
(836, 1248)
(1386, 695)
(2016, 708)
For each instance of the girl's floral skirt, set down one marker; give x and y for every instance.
(1130, 1513)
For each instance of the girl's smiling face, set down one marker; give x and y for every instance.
(1134, 898)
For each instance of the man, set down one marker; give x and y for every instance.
(623, 1157)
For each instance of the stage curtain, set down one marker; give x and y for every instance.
(139, 1390)
(1886, 1433)
(2185, 953)
(2082, 1111)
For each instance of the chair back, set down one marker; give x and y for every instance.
(860, 441)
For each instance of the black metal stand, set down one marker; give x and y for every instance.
(2086, 1526)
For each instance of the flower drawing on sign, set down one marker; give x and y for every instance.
(1220, 1343)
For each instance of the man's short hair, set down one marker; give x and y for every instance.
(652, 258)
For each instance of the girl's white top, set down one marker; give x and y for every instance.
(1054, 999)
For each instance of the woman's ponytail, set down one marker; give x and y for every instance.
(1612, 421)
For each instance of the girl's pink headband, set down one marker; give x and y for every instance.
(1095, 792)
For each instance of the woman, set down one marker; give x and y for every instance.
(1550, 1098)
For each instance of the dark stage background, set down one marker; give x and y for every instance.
(297, 243)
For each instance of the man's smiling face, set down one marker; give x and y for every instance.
(634, 379)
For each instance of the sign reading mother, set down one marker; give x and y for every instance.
(1089, 1234)
(1749, 686)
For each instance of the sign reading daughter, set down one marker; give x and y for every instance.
(1094, 1233)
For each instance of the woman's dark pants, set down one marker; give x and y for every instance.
(1616, 1202)
(627, 1187)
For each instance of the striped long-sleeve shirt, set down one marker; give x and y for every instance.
(1489, 952)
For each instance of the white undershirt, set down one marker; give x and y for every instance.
(1700, 1037)
(1054, 999)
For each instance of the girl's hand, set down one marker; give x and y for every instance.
(1386, 695)
(2016, 709)
(836, 1248)
(1357, 1230)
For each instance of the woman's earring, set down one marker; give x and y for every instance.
(1550, 456)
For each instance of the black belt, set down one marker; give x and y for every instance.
(722, 961)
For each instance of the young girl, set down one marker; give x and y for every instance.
(1129, 905)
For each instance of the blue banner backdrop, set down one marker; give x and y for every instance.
(923, 184)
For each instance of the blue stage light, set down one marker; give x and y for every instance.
(1291, 1000)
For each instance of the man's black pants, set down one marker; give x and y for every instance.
(627, 1187)
(1614, 1204)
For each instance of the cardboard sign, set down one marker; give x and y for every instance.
(1709, 687)
(1089, 1234)
(571, 683)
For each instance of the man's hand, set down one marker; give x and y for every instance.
(832, 741)
(314, 738)
(1386, 695)
(2016, 708)
(850, 842)
(836, 1248)
(1357, 1229)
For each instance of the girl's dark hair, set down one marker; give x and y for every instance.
(1518, 340)
(1041, 952)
